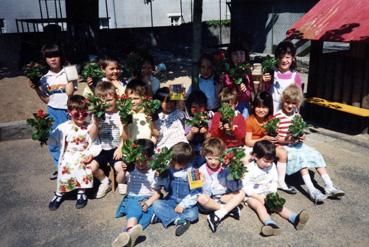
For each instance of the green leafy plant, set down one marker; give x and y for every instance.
(131, 152)
(199, 120)
(227, 113)
(150, 106)
(238, 72)
(268, 65)
(233, 159)
(41, 123)
(160, 161)
(34, 72)
(272, 127)
(298, 127)
(124, 107)
(274, 203)
(94, 71)
(97, 106)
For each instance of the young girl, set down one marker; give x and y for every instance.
(170, 122)
(261, 113)
(54, 91)
(301, 157)
(179, 206)
(74, 139)
(259, 181)
(220, 195)
(239, 54)
(142, 193)
(285, 74)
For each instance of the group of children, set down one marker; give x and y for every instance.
(82, 146)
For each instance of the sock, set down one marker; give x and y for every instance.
(292, 218)
(281, 169)
(269, 221)
(80, 191)
(308, 182)
(221, 213)
(59, 194)
(327, 180)
(105, 180)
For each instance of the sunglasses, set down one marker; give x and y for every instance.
(77, 114)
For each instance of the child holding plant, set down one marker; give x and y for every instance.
(285, 75)
(221, 194)
(147, 76)
(301, 157)
(74, 138)
(54, 90)
(260, 125)
(142, 193)
(179, 206)
(228, 124)
(110, 136)
(170, 122)
(259, 184)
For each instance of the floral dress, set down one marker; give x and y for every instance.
(72, 172)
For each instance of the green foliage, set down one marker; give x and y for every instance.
(199, 120)
(238, 72)
(160, 161)
(274, 203)
(34, 72)
(218, 23)
(150, 106)
(272, 127)
(94, 71)
(131, 152)
(124, 107)
(97, 106)
(298, 126)
(269, 64)
(233, 159)
(41, 123)
(227, 113)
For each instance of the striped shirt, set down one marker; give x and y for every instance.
(284, 123)
(141, 184)
(110, 131)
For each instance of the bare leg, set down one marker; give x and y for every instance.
(121, 172)
(259, 209)
(208, 203)
(232, 200)
(96, 171)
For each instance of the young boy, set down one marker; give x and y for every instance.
(142, 193)
(261, 180)
(111, 141)
(237, 127)
(179, 206)
(220, 195)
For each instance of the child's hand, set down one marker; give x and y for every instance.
(226, 127)
(179, 209)
(117, 154)
(144, 206)
(221, 126)
(302, 138)
(124, 166)
(88, 159)
(203, 130)
(266, 77)
(194, 130)
(270, 138)
(243, 87)
(90, 82)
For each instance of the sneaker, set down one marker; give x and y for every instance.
(81, 200)
(317, 196)
(301, 220)
(334, 192)
(235, 213)
(53, 175)
(103, 190)
(289, 190)
(182, 226)
(55, 202)
(122, 189)
(270, 230)
(123, 239)
(134, 233)
(213, 221)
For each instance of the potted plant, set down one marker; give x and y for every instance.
(124, 107)
(237, 73)
(97, 106)
(298, 127)
(34, 71)
(268, 65)
(94, 71)
(199, 120)
(150, 106)
(232, 158)
(161, 160)
(227, 114)
(41, 123)
(131, 154)
(274, 203)
(272, 127)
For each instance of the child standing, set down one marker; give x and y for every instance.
(74, 138)
(110, 136)
(142, 193)
(179, 206)
(301, 157)
(260, 180)
(170, 122)
(261, 113)
(285, 74)
(54, 91)
(220, 195)
(237, 126)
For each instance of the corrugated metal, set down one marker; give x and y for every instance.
(334, 20)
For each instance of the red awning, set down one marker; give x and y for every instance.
(334, 20)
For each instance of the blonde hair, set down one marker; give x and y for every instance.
(213, 146)
(292, 93)
(105, 88)
(228, 94)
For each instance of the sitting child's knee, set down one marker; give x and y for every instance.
(203, 199)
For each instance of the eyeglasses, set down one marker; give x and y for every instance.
(213, 159)
(77, 114)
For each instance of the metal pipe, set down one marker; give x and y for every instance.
(16, 21)
(39, 4)
(56, 9)
(47, 10)
(115, 15)
(60, 9)
(152, 20)
(220, 22)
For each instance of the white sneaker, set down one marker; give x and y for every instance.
(122, 189)
(103, 190)
(134, 233)
(334, 192)
(317, 196)
(123, 239)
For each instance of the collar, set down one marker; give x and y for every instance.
(211, 171)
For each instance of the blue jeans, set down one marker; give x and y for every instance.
(164, 210)
(131, 208)
(59, 116)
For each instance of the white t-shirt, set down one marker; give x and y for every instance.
(53, 85)
(141, 184)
